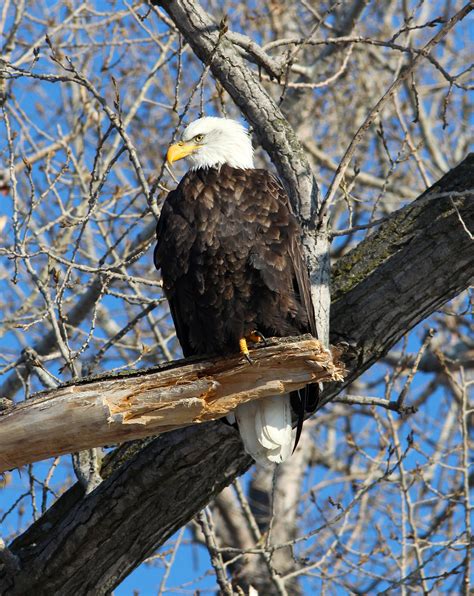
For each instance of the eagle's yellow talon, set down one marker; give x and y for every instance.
(256, 337)
(244, 350)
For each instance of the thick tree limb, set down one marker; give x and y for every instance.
(422, 257)
(115, 409)
(416, 262)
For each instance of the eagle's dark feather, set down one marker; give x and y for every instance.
(229, 253)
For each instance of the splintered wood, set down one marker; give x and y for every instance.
(107, 410)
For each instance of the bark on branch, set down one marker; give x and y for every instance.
(416, 262)
(120, 408)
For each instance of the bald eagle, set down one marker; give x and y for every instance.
(232, 269)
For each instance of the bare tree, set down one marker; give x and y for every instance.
(362, 108)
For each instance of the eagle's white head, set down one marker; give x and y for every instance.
(212, 142)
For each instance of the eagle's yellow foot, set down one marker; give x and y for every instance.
(256, 337)
(244, 350)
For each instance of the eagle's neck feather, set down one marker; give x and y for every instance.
(216, 159)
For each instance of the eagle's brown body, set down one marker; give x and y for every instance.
(229, 252)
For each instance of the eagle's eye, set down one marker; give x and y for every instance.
(198, 138)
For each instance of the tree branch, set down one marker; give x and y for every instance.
(413, 264)
(106, 410)
(76, 314)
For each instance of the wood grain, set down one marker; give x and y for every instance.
(114, 409)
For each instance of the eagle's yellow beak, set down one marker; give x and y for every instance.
(180, 150)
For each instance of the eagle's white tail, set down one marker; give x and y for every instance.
(265, 428)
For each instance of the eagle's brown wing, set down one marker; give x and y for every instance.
(305, 400)
(301, 279)
(175, 237)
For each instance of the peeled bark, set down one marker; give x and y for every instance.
(113, 409)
